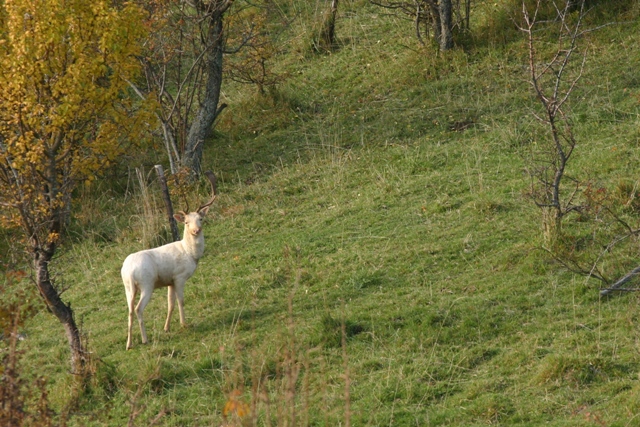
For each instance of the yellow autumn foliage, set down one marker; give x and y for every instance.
(64, 109)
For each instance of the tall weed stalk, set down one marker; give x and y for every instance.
(150, 220)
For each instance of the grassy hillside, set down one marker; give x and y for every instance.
(373, 255)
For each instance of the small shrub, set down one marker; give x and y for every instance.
(22, 401)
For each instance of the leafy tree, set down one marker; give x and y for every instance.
(63, 117)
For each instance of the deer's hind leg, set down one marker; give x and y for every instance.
(145, 297)
(131, 297)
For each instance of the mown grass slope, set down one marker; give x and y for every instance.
(373, 231)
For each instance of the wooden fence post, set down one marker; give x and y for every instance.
(167, 202)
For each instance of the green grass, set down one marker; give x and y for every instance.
(352, 199)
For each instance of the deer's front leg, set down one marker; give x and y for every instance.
(171, 300)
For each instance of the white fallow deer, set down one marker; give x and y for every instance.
(170, 265)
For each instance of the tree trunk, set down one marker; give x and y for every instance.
(551, 225)
(62, 311)
(328, 31)
(201, 126)
(446, 24)
(437, 22)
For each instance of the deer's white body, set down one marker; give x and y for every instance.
(170, 265)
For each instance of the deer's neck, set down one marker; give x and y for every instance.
(193, 245)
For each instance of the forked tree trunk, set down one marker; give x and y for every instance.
(206, 115)
(62, 311)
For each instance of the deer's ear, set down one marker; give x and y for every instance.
(180, 216)
(203, 211)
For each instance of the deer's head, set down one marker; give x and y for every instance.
(193, 220)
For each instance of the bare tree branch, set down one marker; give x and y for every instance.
(617, 286)
(548, 81)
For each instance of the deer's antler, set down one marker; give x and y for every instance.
(214, 189)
